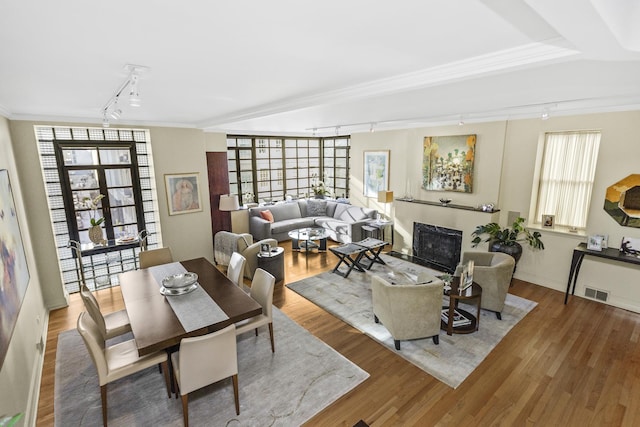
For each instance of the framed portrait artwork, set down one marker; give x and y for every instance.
(376, 172)
(548, 221)
(183, 193)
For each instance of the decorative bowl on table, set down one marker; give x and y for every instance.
(445, 201)
(179, 284)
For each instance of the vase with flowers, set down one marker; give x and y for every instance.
(95, 231)
(318, 187)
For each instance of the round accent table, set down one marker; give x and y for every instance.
(272, 262)
(470, 295)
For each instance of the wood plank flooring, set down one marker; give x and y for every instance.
(573, 365)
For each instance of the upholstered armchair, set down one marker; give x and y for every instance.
(408, 311)
(225, 243)
(493, 272)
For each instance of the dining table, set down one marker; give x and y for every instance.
(160, 322)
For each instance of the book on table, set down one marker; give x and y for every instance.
(458, 318)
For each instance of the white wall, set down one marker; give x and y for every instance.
(503, 174)
(20, 372)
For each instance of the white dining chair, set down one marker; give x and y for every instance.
(116, 361)
(235, 270)
(153, 257)
(205, 360)
(262, 287)
(110, 324)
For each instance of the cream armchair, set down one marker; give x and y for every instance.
(408, 311)
(493, 272)
(225, 243)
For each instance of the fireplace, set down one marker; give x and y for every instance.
(437, 247)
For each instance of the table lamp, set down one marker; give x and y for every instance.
(385, 197)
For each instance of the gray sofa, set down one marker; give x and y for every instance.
(342, 221)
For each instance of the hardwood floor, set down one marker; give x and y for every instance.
(577, 364)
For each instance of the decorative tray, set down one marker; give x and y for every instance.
(180, 280)
(178, 291)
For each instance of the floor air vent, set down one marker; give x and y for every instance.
(596, 294)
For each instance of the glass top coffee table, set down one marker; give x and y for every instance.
(309, 238)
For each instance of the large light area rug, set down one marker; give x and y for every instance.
(287, 388)
(453, 360)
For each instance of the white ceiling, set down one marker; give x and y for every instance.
(289, 66)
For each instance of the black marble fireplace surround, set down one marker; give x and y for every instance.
(436, 247)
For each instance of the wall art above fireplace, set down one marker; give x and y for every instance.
(622, 201)
(447, 163)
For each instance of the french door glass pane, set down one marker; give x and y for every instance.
(118, 177)
(125, 215)
(80, 156)
(125, 231)
(114, 156)
(83, 179)
(121, 196)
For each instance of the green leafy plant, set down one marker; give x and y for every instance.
(508, 236)
(93, 205)
(8, 421)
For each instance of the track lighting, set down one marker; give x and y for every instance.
(111, 108)
(371, 129)
(545, 114)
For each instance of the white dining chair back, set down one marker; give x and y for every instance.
(262, 287)
(235, 270)
(205, 360)
(116, 361)
(110, 325)
(155, 257)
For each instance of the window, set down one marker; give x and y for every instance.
(271, 168)
(566, 177)
(84, 162)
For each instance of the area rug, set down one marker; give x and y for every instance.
(452, 360)
(283, 389)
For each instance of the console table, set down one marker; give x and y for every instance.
(578, 255)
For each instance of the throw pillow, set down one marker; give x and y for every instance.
(266, 214)
(316, 207)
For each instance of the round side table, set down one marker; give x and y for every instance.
(272, 262)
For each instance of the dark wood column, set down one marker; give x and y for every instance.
(218, 184)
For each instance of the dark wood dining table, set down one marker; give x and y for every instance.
(153, 322)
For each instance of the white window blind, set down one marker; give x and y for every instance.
(566, 177)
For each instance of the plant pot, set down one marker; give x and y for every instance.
(514, 250)
(95, 234)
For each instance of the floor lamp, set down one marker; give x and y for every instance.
(228, 203)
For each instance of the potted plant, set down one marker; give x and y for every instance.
(95, 231)
(507, 239)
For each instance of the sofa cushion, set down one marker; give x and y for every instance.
(266, 214)
(290, 224)
(350, 213)
(316, 207)
(286, 211)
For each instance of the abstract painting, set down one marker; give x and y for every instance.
(376, 172)
(14, 274)
(622, 201)
(447, 163)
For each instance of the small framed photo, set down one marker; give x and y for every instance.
(183, 193)
(605, 240)
(594, 243)
(265, 248)
(548, 221)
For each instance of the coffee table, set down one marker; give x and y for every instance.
(471, 295)
(309, 238)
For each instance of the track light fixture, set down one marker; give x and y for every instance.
(111, 108)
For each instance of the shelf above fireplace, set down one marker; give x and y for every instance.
(448, 206)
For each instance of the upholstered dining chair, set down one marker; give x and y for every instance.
(408, 311)
(262, 287)
(110, 324)
(235, 270)
(493, 272)
(153, 257)
(116, 361)
(204, 360)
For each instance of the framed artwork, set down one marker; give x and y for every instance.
(622, 201)
(594, 243)
(183, 193)
(447, 163)
(548, 221)
(630, 246)
(376, 172)
(14, 273)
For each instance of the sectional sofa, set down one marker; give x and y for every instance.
(342, 221)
